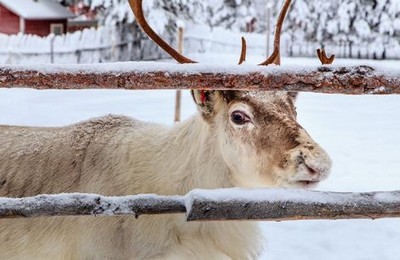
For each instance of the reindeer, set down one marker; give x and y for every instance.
(238, 139)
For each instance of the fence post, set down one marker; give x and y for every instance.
(178, 95)
(78, 56)
(52, 38)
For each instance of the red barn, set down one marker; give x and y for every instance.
(40, 17)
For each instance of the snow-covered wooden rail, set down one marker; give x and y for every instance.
(151, 75)
(206, 205)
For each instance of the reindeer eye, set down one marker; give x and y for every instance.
(239, 118)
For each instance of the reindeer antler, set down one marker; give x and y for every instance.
(136, 6)
(243, 52)
(275, 57)
(323, 58)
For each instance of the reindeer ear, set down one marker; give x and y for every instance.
(204, 100)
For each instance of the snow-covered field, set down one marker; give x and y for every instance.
(361, 133)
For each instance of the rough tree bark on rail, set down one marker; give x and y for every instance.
(223, 204)
(150, 75)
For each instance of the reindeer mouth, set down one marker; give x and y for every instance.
(307, 183)
(303, 183)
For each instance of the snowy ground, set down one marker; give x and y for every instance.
(361, 133)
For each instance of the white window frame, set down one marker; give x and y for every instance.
(57, 25)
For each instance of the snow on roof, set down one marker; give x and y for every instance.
(37, 9)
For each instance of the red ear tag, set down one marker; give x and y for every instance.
(203, 96)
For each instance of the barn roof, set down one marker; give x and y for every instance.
(37, 9)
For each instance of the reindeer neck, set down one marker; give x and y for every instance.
(193, 158)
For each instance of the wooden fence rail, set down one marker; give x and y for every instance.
(222, 204)
(153, 75)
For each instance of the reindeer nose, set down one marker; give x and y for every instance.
(312, 169)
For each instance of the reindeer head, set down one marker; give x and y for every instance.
(257, 132)
(261, 141)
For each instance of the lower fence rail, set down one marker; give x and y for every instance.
(211, 205)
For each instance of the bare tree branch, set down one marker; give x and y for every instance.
(223, 204)
(141, 75)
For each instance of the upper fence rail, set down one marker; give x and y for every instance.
(155, 75)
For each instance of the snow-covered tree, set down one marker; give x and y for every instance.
(374, 24)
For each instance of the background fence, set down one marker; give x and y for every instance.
(219, 39)
(104, 44)
(127, 43)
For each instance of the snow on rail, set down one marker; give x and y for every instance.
(222, 204)
(156, 75)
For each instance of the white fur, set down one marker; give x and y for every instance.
(143, 163)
